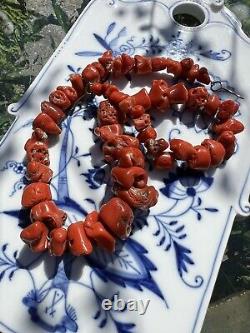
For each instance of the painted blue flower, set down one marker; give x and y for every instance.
(185, 183)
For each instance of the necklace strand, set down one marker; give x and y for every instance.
(126, 154)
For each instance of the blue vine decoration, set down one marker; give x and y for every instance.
(115, 39)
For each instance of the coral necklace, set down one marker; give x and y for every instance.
(124, 153)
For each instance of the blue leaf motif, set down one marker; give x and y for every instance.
(110, 28)
(102, 41)
(2, 275)
(221, 56)
(103, 323)
(88, 53)
(182, 257)
(127, 266)
(124, 327)
(212, 210)
(94, 177)
(114, 41)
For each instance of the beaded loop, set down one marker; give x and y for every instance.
(123, 152)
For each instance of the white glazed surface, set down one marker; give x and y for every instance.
(174, 254)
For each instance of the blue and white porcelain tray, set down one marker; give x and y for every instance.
(174, 255)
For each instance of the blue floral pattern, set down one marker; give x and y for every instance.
(149, 45)
(131, 266)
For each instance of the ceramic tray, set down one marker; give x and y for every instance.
(176, 249)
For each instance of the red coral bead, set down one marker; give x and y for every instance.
(228, 140)
(70, 92)
(60, 99)
(91, 74)
(159, 95)
(130, 156)
(201, 159)
(227, 109)
(117, 216)
(77, 83)
(165, 161)
(78, 242)
(142, 122)
(197, 98)
(38, 172)
(35, 193)
(128, 63)
(177, 93)
(107, 114)
(142, 198)
(212, 105)
(155, 147)
(232, 125)
(203, 76)
(35, 235)
(113, 146)
(174, 67)
(182, 150)
(58, 241)
(53, 112)
(148, 133)
(128, 177)
(217, 151)
(142, 65)
(193, 73)
(108, 131)
(47, 124)
(96, 231)
(49, 213)
(158, 64)
(136, 111)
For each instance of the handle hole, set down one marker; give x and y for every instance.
(189, 14)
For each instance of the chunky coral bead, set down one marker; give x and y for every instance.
(58, 241)
(232, 125)
(49, 213)
(117, 216)
(177, 93)
(142, 198)
(77, 83)
(217, 151)
(70, 92)
(113, 146)
(107, 114)
(60, 99)
(228, 140)
(53, 112)
(128, 177)
(35, 235)
(201, 159)
(227, 109)
(142, 65)
(142, 122)
(78, 242)
(130, 156)
(197, 98)
(96, 231)
(155, 147)
(159, 95)
(165, 161)
(182, 150)
(35, 193)
(147, 133)
(158, 64)
(38, 172)
(47, 124)
(212, 105)
(174, 67)
(107, 132)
